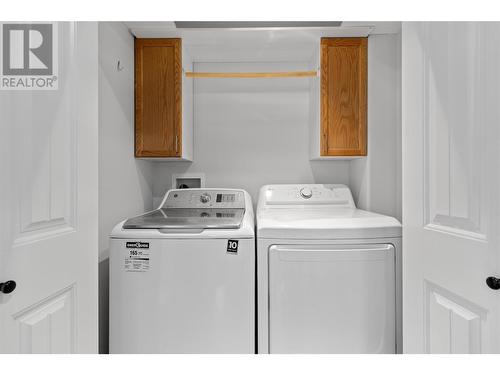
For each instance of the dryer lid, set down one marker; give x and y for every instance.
(325, 223)
(315, 211)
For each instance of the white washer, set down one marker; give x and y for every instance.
(328, 274)
(182, 277)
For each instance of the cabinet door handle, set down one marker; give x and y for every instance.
(493, 283)
(176, 143)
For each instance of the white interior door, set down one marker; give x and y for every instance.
(451, 123)
(48, 205)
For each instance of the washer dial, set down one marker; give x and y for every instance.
(205, 198)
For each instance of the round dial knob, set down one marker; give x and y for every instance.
(306, 193)
(205, 198)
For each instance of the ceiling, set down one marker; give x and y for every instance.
(243, 41)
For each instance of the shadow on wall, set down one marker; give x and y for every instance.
(103, 306)
(359, 182)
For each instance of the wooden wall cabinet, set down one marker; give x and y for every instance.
(342, 99)
(163, 101)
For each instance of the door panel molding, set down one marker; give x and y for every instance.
(452, 324)
(453, 140)
(46, 183)
(49, 326)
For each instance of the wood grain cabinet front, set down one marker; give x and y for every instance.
(158, 98)
(343, 98)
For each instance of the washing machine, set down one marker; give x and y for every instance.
(328, 274)
(182, 277)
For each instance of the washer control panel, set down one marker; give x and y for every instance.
(204, 198)
(308, 194)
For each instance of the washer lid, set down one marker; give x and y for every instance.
(188, 218)
(325, 223)
(194, 209)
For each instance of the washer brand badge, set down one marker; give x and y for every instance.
(29, 56)
(232, 246)
(137, 245)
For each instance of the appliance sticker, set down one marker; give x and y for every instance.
(232, 246)
(137, 257)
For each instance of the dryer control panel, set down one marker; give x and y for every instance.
(308, 194)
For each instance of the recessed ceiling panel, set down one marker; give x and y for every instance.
(252, 24)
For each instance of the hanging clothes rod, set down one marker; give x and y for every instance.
(307, 73)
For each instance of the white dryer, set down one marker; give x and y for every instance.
(182, 277)
(329, 274)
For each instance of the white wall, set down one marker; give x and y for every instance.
(375, 181)
(251, 132)
(124, 182)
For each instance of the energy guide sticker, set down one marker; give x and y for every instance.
(137, 257)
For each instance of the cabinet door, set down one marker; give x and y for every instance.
(158, 106)
(343, 96)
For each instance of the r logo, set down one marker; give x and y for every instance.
(27, 49)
